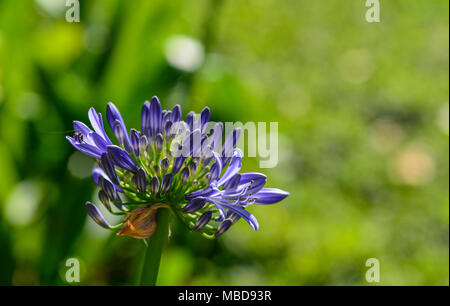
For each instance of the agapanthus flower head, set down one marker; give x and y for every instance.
(170, 164)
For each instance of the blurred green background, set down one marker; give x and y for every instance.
(363, 135)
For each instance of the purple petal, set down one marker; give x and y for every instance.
(269, 196)
(250, 183)
(166, 182)
(233, 168)
(85, 148)
(108, 188)
(255, 179)
(204, 118)
(145, 119)
(121, 136)
(82, 128)
(244, 214)
(108, 168)
(192, 144)
(95, 214)
(177, 164)
(206, 192)
(218, 162)
(99, 141)
(213, 174)
(159, 142)
(97, 173)
(194, 205)
(229, 144)
(176, 113)
(166, 117)
(167, 128)
(223, 227)
(222, 213)
(202, 221)
(113, 115)
(155, 116)
(233, 182)
(154, 185)
(141, 179)
(135, 141)
(190, 120)
(184, 175)
(121, 158)
(217, 136)
(97, 123)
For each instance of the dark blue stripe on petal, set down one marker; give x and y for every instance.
(121, 158)
(97, 123)
(176, 113)
(229, 144)
(233, 168)
(202, 221)
(166, 182)
(223, 227)
(109, 169)
(95, 214)
(190, 120)
(85, 148)
(145, 119)
(194, 205)
(270, 196)
(206, 192)
(204, 118)
(155, 116)
(135, 140)
(244, 214)
(82, 128)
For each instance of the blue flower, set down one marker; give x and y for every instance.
(232, 192)
(90, 142)
(170, 163)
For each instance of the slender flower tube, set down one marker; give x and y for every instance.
(95, 214)
(202, 221)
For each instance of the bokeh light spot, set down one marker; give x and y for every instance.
(22, 203)
(356, 66)
(29, 106)
(413, 166)
(80, 165)
(184, 53)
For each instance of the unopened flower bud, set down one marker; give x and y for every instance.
(184, 175)
(223, 227)
(159, 141)
(95, 214)
(166, 182)
(165, 163)
(154, 185)
(194, 205)
(202, 221)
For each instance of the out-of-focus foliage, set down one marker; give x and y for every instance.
(363, 134)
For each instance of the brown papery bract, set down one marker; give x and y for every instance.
(140, 223)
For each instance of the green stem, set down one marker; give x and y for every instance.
(156, 244)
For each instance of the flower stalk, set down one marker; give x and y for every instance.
(156, 243)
